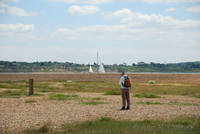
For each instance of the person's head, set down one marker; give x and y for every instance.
(122, 73)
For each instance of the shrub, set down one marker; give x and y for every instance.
(151, 82)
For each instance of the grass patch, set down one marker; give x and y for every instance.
(184, 89)
(107, 125)
(149, 103)
(112, 93)
(62, 97)
(37, 94)
(151, 82)
(145, 95)
(30, 101)
(184, 104)
(109, 88)
(44, 129)
(45, 90)
(85, 86)
(11, 94)
(96, 98)
(14, 85)
(59, 97)
(93, 103)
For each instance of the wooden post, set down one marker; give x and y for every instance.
(31, 90)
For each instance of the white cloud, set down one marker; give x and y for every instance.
(195, 9)
(83, 10)
(170, 9)
(126, 16)
(109, 1)
(20, 12)
(2, 10)
(170, 1)
(123, 12)
(9, 0)
(137, 27)
(3, 5)
(16, 32)
(15, 10)
(84, 1)
(16, 27)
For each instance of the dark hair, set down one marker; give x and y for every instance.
(122, 73)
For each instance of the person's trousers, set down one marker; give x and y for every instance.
(125, 96)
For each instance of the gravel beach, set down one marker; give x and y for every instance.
(16, 115)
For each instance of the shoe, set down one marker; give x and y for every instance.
(127, 108)
(123, 108)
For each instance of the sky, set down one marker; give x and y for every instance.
(121, 31)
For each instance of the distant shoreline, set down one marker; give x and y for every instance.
(14, 73)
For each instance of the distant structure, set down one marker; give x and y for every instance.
(90, 69)
(100, 68)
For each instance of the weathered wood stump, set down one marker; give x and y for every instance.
(31, 88)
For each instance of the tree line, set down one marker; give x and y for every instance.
(8, 66)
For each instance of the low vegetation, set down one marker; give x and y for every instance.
(44, 129)
(152, 82)
(112, 93)
(107, 125)
(6, 66)
(140, 90)
(62, 97)
(183, 104)
(149, 103)
(93, 103)
(30, 101)
(145, 95)
(12, 94)
(96, 98)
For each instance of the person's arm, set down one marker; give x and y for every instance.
(120, 81)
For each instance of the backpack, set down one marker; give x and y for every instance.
(127, 82)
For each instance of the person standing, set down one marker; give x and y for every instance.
(125, 89)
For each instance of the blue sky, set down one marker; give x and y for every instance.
(128, 31)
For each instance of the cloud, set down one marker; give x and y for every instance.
(195, 9)
(9, 0)
(83, 10)
(15, 10)
(2, 11)
(16, 32)
(84, 1)
(109, 1)
(136, 27)
(170, 9)
(126, 16)
(170, 1)
(16, 27)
